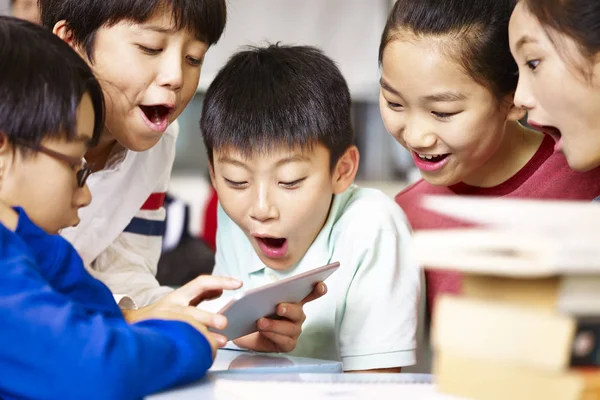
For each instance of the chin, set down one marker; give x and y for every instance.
(582, 165)
(143, 143)
(440, 181)
(282, 264)
(53, 230)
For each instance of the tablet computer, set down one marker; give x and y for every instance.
(245, 308)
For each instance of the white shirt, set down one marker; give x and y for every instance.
(368, 318)
(120, 242)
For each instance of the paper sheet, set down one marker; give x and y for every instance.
(274, 390)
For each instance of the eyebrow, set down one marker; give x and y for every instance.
(291, 159)
(283, 161)
(523, 41)
(159, 29)
(388, 87)
(229, 160)
(447, 96)
(170, 31)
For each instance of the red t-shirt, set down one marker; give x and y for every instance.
(209, 232)
(546, 176)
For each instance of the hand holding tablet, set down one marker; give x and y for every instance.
(245, 308)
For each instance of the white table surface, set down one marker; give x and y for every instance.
(420, 386)
(239, 361)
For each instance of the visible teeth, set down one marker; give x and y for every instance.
(431, 157)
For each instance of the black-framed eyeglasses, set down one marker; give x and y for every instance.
(83, 170)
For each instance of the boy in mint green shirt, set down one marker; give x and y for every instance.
(276, 124)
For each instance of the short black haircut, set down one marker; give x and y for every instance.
(273, 96)
(42, 82)
(479, 29)
(206, 18)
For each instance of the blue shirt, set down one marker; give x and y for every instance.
(62, 336)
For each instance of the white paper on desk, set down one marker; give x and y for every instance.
(561, 217)
(507, 253)
(273, 390)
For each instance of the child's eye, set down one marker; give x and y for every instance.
(532, 64)
(442, 115)
(236, 185)
(394, 106)
(293, 184)
(195, 62)
(149, 50)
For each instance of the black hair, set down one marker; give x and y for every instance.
(266, 97)
(206, 18)
(479, 33)
(578, 19)
(42, 82)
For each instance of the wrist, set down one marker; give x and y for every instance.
(131, 316)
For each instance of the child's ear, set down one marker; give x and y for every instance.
(345, 170)
(6, 148)
(211, 171)
(515, 113)
(63, 31)
(6, 155)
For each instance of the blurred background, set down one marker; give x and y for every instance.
(349, 32)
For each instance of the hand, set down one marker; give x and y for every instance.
(178, 313)
(281, 335)
(181, 305)
(245, 361)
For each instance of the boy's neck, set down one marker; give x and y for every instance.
(98, 155)
(8, 217)
(516, 150)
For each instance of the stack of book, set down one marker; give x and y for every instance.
(527, 323)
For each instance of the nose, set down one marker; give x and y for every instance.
(170, 75)
(263, 209)
(82, 197)
(523, 95)
(417, 134)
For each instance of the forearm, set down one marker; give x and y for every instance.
(72, 352)
(128, 268)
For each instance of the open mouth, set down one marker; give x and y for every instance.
(551, 131)
(430, 162)
(272, 247)
(432, 158)
(157, 116)
(555, 134)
